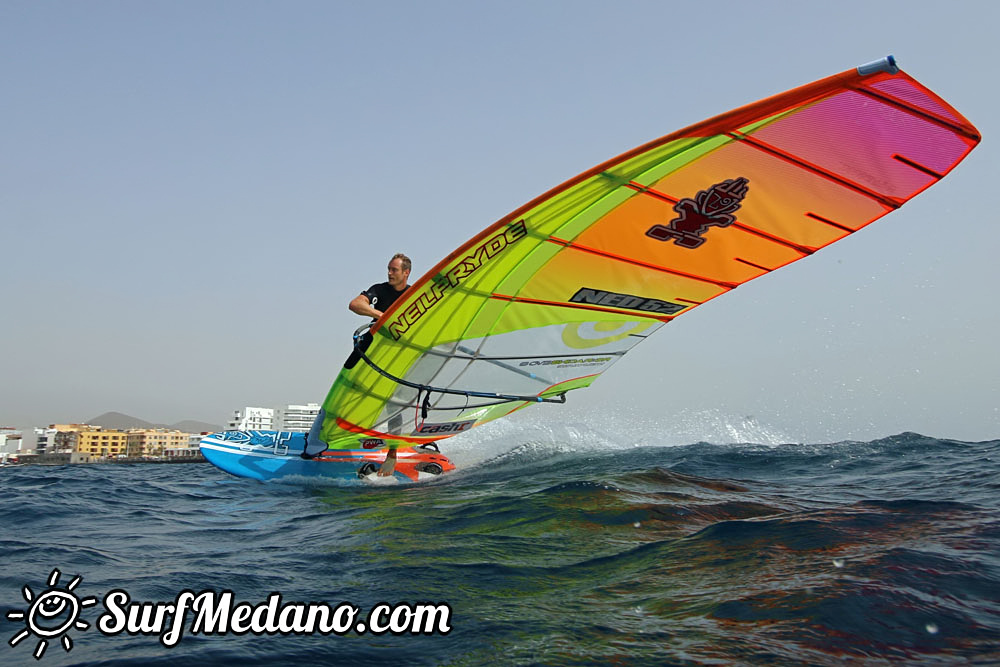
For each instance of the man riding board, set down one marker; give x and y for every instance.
(373, 302)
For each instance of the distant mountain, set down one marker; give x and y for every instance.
(190, 426)
(124, 422)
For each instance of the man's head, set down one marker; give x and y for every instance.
(399, 271)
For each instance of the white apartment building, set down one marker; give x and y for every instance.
(292, 417)
(45, 440)
(10, 440)
(297, 418)
(252, 419)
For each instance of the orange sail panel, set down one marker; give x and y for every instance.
(551, 296)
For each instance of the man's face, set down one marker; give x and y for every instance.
(397, 276)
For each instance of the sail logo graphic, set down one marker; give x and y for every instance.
(447, 427)
(596, 297)
(51, 615)
(712, 207)
(459, 272)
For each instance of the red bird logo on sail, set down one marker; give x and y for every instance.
(714, 206)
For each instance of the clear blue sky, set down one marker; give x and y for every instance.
(191, 192)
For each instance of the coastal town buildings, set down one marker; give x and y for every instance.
(88, 443)
(100, 443)
(156, 442)
(45, 440)
(8, 434)
(191, 448)
(82, 443)
(10, 440)
(252, 419)
(297, 418)
(291, 417)
(58, 438)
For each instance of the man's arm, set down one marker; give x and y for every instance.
(362, 306)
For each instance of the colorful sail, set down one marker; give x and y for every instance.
(551, 296)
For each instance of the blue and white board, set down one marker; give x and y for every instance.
(267, 455)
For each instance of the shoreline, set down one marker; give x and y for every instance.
(84, 459)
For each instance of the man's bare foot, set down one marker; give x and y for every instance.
(389, 465)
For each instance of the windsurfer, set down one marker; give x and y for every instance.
(381, 295)
(373, 302)
(384, 294)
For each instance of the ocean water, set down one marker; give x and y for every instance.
(554, 547)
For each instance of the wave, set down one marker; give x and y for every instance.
(557, 544)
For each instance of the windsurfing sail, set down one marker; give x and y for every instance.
(551, 296)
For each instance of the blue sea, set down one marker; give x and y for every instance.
(549, 548)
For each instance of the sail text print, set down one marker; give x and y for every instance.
(459, 272)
